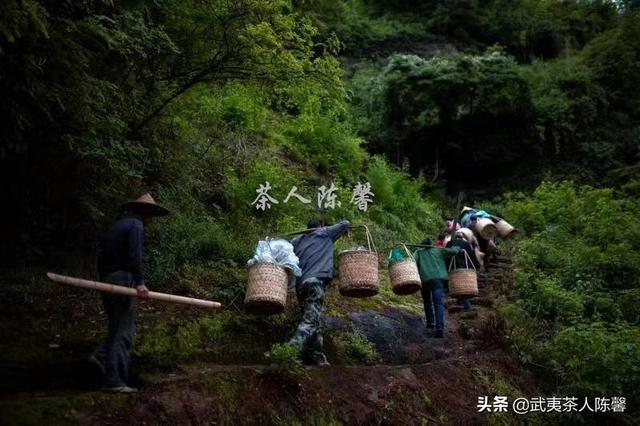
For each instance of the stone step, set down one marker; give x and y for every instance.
(483, 301)
(499, 266)
(502, 258)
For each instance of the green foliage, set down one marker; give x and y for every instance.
(355, 348)
(576, 280)
(84, 83)
(598, 359)
(326, 140)
(448, 110)
(399, 204)
(360, 28)
(574, 115)
(287, 361)
(169, 343)
(499, 385)
(188, 236)
(284, 354)
(201, 102)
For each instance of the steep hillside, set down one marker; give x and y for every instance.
(416, 379)
(529, 109)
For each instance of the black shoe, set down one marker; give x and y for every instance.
(438, 334)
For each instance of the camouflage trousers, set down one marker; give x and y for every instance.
(308, 335)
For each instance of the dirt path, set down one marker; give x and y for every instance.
(467, 363)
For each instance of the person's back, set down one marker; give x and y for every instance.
(315, 254)
(315, 250)
(433, 274)
(432, 263)
(121, 247)
(460, 259)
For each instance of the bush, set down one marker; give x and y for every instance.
(598, 359)
(168, 343)
(577, 285)
(287, 361)
(356, 349)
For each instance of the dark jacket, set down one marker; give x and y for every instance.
(121, 248)
(315, 250)
(459, 261)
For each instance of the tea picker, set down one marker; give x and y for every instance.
(274, 268)
(433, 275)
(313, 249)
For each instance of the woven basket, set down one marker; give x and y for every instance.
(463, 282)
(468, 233)
(404, 275)
(266, 289)
(486, 228)
(358, 270)
(505, 230)
(405, 278)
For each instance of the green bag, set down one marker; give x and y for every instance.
(396, 255)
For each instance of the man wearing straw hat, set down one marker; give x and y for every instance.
(315, 252)
(120, 263)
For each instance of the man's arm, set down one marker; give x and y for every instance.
(450, 250)
(335, 231)
(136, 241)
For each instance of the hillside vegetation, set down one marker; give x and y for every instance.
(531, 108)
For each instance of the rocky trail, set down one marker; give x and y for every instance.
(419, 380)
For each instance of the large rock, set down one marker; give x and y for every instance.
(399, 336)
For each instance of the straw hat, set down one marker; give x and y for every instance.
(465, 209)
(146, 204)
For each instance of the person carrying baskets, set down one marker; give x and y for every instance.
(315, 253)
(120, 263)
(460, 241)
(433, 274)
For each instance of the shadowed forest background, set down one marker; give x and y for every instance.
(531, 108)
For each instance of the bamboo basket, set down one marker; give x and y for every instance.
(463, 282)
(505, 230)
(468, 233)
(404, 275)
(358, 270)
(266, 289)
(486, 228)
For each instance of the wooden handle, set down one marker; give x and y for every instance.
(111, 288)
(306, 231)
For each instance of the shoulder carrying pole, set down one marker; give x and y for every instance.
(111, 288)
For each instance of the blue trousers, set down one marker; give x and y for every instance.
(433, 299)
(114, 352)
(308, 335)
(465, 302)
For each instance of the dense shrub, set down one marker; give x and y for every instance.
(354, 348)
(576, 280)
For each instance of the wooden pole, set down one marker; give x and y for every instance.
(111, 288)
(306, 231)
